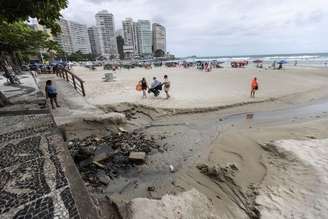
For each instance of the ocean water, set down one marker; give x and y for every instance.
(305, 59)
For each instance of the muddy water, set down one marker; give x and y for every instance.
(216, 138)
(231, 136)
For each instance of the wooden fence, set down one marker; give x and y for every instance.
(71, 78)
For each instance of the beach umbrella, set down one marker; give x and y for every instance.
(282, 62)
(258, 61)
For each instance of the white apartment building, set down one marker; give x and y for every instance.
(73, 37)
(159, 37)
(130, 37)
(106, 27)
(79, 37)
(144, 34)
(64, 38)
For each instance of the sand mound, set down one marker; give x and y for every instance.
(296, 185)
(188, 205)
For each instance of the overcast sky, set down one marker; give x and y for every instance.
(222, 27)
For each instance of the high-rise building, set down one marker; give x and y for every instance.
(144, 37)
(73, 37)
(95, 42)
(64, 38)
(159, 37)
(79, 37)
(130, 36)
(106, 27)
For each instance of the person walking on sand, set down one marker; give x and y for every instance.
(254, 86)
(144, 87)
(51, 93)
(167, 85)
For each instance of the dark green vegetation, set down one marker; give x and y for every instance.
(17, 40)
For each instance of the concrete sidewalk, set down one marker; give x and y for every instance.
(38, 178)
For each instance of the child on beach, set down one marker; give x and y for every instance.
(51, 92)
(254, 86)
(167, 85)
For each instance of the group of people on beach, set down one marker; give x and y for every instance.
(156, 87)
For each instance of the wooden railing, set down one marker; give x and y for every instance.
(71, 78)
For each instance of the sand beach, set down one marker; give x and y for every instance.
(233, 156)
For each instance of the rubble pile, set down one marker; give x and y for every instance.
(101, 159)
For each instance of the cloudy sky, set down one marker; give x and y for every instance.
(222, 27)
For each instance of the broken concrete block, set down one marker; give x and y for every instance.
(137, 156)
(85, 163)
(122, 130)
(103, 178)
(101, 156)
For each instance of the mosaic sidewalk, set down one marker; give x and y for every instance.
(38, 178)
(32, 179)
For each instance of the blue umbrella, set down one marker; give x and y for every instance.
(282, 62)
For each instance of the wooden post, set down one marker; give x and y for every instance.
(66, 75)
(74, 82)
(82, 87)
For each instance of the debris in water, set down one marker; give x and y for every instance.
(112, 154)
(137, 156)
(250, 116)
(172, 169)
(151, 188)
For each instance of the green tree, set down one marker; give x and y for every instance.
(47, 12)
(12, 30)
(80, 57)
(159, 53)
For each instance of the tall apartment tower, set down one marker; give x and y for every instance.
(64, 38)
(106, 27)
(159, 37)
(130, 38)
(144, 37)
(79, 37)
(95, 42)
(73, 37)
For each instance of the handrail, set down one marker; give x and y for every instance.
(73, 79)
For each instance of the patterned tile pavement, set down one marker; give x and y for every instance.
(32, 180)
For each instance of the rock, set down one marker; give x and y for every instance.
(85, 163)
(103, 178)
(101, 156)
(137, 156)
(249, 116)
(151, 188)
(103, 153)
(211, 171)
(233, 166)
